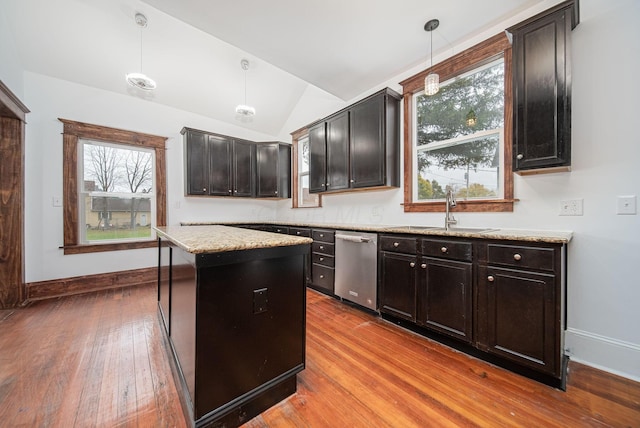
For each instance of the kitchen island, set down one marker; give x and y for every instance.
(232, 303)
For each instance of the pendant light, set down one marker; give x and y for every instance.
(245, 109)
(140, 80)
(432, 81)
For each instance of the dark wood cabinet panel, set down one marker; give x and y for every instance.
(317, 158)
(522, 317)
(273, 170)
(323, 261)
(244, 154)
(445, 298)
(164, 283)
(338, 152)
(220, 173)
(542, 89)
(367, 143)
(197, 164)
(398, 284)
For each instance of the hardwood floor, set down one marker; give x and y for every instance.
(98, 360)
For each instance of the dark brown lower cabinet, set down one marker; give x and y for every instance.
(444, 297)
(522, 317)
(398, 284)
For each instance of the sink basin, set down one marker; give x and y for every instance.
(451, 229)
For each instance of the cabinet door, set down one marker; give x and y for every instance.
(284, 171)
(220, 152)
(267, 170)
(164, 283)
(444, 297)
(317, 158)
(367, 145)
(398, 285)
(521, 317)
(338, 152)
(243, 168)
(542, 106)
(197, 163)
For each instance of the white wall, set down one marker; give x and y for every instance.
(10, 67)
(603, 258)
(50, 99)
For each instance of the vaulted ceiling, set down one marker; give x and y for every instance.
(193, 48)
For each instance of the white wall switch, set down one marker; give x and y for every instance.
(56, 201)
(627, 205)
(571, 207)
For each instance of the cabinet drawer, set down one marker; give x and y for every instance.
(322, 247)
(322, 277)
(398, 244)
(323, 235)
(323, 259)
(447, 249)
(300, 231)
(521, 256)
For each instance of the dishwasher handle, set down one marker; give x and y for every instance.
(353, 238)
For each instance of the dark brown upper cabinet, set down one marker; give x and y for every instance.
(219, 165)
(542, 90)
(357, 147)
(273, 170)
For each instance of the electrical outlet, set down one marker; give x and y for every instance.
(571, 207)
(626, 205)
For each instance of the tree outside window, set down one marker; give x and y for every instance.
(459, 136)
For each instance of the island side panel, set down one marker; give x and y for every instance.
(250, 326)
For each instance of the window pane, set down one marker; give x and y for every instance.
(458, 136)
(471, 167)
(463, 106)
(303, 147)
(306, 199)
(117, 191)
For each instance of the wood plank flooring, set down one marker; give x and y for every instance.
(97, 360)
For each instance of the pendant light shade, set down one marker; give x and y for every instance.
(140, 80)
(245, 110)
(432, 81)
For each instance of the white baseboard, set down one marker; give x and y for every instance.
(611, 355)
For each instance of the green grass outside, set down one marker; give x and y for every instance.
(99, 235)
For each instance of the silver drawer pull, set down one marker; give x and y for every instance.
(396, 244)
(322, 235)
(423, 265)
(321, 276)
(321, 259)
(297, 233)
(412, 264)
(204, 189)
(490, 278)
(443, 249)
(520, 156)
(517, 257)
(321, 247)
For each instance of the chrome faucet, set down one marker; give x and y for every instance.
(450, 202)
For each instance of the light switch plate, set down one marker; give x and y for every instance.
(571, 207)
(56, 201)
(627, 205)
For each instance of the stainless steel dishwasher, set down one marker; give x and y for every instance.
(356, 267)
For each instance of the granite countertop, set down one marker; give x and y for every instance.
(547, 236)
(199, 239)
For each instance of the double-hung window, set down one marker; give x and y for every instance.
(461, 136)
(114, 188)
(302, 198)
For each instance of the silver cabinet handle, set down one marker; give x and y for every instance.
(517, 257)
(204, 189)
(423, 265)
(230, 191)
(321, 259)
(352, 181)
(412, 264)
(443, 249)
(321, 276)
(396, 244)
(297, 233)
(520, 156)
(321, 247)
(322, 235)
(490, 278)
(276, 192)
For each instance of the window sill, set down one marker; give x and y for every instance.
(98, 248)
(498, 205)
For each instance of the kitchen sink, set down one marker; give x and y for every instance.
(441, 229)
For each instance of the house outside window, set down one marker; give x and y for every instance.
(118, 192)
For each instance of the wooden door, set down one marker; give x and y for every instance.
(243, 168)
(267, 170)
(367, 145)
(220, 149)
(398, 285)
(338, 152)
(317, 158)
(197, 155)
